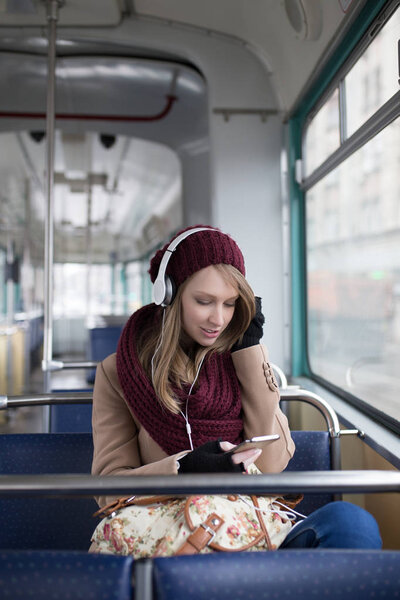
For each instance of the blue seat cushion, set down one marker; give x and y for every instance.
(44, 453)
(299, 574)
(64, 576)
(46, 523)
(312, 454)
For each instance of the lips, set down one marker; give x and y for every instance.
(210, 333)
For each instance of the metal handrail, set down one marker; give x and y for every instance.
(290, 393)
(296, 393)
(46, 399)
(281, 375)
(317, 482)
(59, 365)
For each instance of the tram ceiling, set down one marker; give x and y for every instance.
(112, 175)
(84, 13)
(123, 96)
(293, 39)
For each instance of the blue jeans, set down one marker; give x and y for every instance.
(336, 525)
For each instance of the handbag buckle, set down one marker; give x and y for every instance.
(210, 531)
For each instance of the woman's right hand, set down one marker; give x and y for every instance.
(245, 457)
(213, 457)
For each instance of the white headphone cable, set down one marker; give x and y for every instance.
(185, 416)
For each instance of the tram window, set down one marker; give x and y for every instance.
(353, 273)
(374, 78)
(368, 84)
(323, 134)
(134, 279)
(74, 284)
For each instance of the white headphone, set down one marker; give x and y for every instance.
(163, 287)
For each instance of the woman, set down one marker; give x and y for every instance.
(191, 372)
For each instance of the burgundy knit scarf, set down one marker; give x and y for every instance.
(214, 406)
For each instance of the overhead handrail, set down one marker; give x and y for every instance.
(170, 99)
(317, 482)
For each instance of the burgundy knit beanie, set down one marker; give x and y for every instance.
(200, 250)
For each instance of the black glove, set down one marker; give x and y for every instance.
(209, 458)
(254, 332)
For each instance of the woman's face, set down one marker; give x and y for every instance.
(208, 304)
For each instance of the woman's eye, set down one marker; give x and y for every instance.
(202, 302)
(230, 304)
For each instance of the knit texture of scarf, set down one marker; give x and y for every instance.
(214, 406)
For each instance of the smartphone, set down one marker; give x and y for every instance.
(259, 441)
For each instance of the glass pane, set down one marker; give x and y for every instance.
(353, 273)
(323, 134)
(22, 161)
(111, 203)
(374, 78)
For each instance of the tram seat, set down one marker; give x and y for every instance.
(102, 342)
(300, 574)
(67, 523)
(46, 523)
(313, 453)
(71, 418)
(64, 575)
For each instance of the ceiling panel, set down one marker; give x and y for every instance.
(87, 13)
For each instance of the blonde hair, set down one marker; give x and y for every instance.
(169, 365)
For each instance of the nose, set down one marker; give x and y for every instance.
(216, 316)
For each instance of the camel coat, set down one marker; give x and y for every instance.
(123, 447)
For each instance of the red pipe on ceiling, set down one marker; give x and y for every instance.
(80, 117)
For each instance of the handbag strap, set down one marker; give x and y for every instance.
(106, 511)
(261, 521)
(202, 535)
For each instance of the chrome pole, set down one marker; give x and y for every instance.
(52, 7)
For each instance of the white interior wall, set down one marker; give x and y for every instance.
(247, 189)
(196, 187)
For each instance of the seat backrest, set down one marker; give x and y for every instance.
(52, 523)
(313, 453)
(64, 575)
(46, 523)
(71, 418)
(102, 342)
(300, 574)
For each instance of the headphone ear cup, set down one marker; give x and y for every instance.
(170, 290)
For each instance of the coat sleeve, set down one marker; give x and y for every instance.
(115, 434)
(260, 405)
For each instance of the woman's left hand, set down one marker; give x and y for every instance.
(247, 457)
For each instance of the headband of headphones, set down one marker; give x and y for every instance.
(163, 287)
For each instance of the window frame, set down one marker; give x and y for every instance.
(360, 36)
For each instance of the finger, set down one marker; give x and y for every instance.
(247, 456)
(226, 446)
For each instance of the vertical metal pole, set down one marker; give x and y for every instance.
(10, 318)
(89, 255)
(10, 283)
(52, 18)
